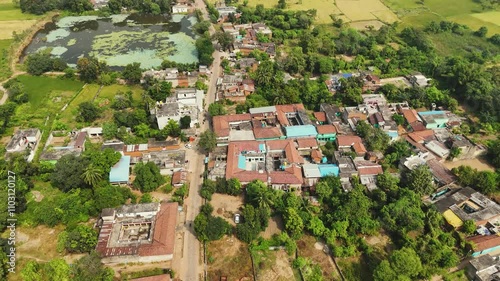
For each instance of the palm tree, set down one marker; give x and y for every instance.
(92, 175)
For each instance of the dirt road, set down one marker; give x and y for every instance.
(191, 266)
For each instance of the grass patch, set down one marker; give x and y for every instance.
(456, 276)
(489, 19)
(9, 12)
(355, 269)
(447, 43)
(5, 71)
(40, 88)
(47, 96)
(109, 92)
(324, 8)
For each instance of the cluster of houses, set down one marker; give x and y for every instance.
(246, 38)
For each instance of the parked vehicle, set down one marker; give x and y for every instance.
(237, 218)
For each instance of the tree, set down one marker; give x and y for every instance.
(208, 141)
(82, 239)
(406, 262)
(224, 39)
(89, 267)
(132, 73)
(215, 109)
(494, 152)
(469, 227)
(57, 270)
(259, 195)
(209, 228)
(88, 112)
(420, 180)
(68, 172)
(293, 223)
(146, 198)
(39, 63)
(89, 69)
(403, 215)
(233, 186)
(454, 152)
(316, 226)
(205, 49)
(185, 122)
(481, 32)
(148, 177)
(92, 175)
(77, 6)
(159, 91)
(109, 130)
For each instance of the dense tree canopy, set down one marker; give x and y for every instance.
(148, 177)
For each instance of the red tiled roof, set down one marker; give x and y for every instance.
(410, 115)
(483, 242)
(373, 170)
(232, 171)
(320, 116)
(326, 129)
(80, 139)
(441, 172)
(421, 136)
(267, 132)
(163, 236)
(316, 155)
(221, 123)
(291, 175)
(307, 142)
(164, 232)
(359, 148)
(343, 141)
(282, 118)
(417, 126)
(163, 277)
(178, 177)
(290, 107)
(292, 155)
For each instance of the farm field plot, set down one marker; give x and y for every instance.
(308, 248)
(468, 12)
(276, 266)
(363, 10)
(229, 257)
(12, 19)
(46, 97)
(324, 8)
(5, 71)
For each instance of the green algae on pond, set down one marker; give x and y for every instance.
(120, 39)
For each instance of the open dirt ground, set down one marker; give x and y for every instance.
(479, 164)
(275, 226)
(280, 269)
(225, 206)
(307, 249)
(228, 257)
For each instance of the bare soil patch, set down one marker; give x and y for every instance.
(279, 270)
(275, 226)
(306, 249)
(228, 257)
(479, 164)
(225, 206)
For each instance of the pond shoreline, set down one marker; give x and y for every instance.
(117, 39)
(31, 32)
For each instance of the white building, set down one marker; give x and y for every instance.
(184, 102)
(180, 9)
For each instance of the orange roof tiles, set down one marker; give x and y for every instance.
(290, 107)
(410, 115)
(370, 170)
(291, 175)
(359, 148)
(343, 141)
(320, 116)
(221, 123)
(483, 242)
(267, 132)
(326, 129)
(307, 143)
(164, 232)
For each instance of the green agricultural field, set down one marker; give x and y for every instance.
(12, 19)
(47, 96)
(41, 88)
(468, 12)
(324, 8)
(449, 43)
(109, 92)
(4, 59)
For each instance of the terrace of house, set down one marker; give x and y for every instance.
(131, 231)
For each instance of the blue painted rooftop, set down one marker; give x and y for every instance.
(120, 172)
(328, 170)
(393, 135)
(262, 147)
(242, 162)
(346, 75)
(301, 131)
(431, 112)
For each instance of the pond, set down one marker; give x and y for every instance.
(119, 39)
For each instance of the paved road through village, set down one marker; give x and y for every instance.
(191, 266)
